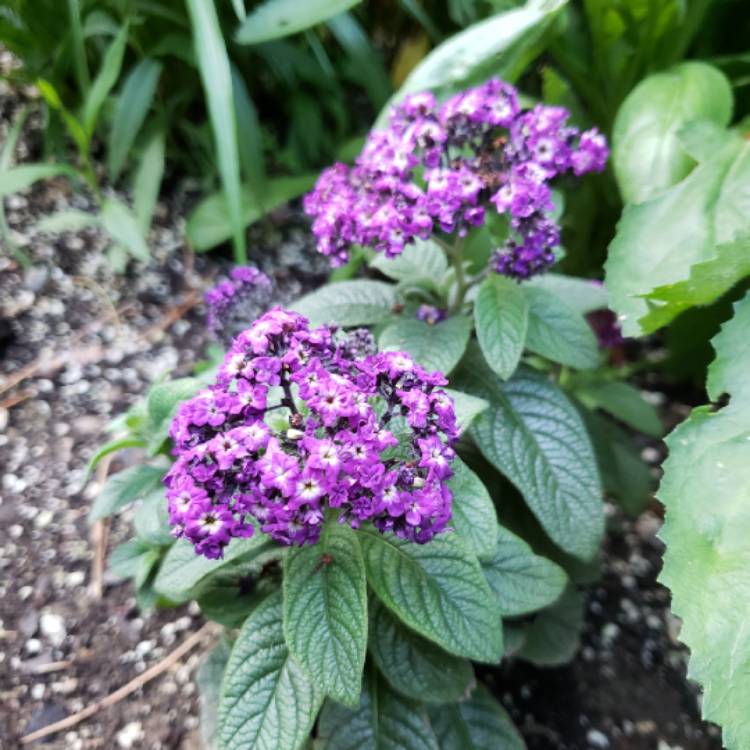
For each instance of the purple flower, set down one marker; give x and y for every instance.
(440, 168)
(301, 421)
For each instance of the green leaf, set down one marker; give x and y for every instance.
(163, 399)
(534, 435)
(477, 723)
(348, 303)
(125, 558)
(208, 681)
(131, 109)
(467, 408)
(438, 590)
(208, 224)
(474, 516)
(623, 401)
(274, 19)
(414, 666)
(184, 571)
(147, 181)
(112, 447)
(583, 295)
(151, 521)
(552, 638)
(501, 45)
(19, 178)
(435, 347)
(68, 220)
(707, 561)
(213, 63)
(123, 488)
(646, 151)
(522, 581)
(501, 315)
(659, 241)
(122, 225)
(250, 135)
(558, 331)
(422, 260)
(325, 611)
(383, 721)
(105, 79)
(267, 702)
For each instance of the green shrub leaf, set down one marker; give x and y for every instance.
(467, 407)
(623, 401)
(501, 315)
(435, 347)
(421, 260)
(325, 611)
(474, 516)
(535, 436)
(348, 303)
(583, 295)
(414, 666)
(124, 488)
(383, 721)
(478, 723)
(267, 701)
(646, 151)
(438, 590)
(707, 561)
(163, 400)
(522, 581)
(558, 331)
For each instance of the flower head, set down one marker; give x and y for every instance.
(302, 421)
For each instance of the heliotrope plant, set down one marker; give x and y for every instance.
(392, 480)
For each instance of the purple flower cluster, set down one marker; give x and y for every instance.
(305, 423)
(439, 168)
(235, 302)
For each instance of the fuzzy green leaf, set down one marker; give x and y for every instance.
(467, 407)
(522, 581)
(438, 590)
(267, 701)
(348, 303)
(474, 516)
(625, 402)
(123, 488)
(325, 611)
(422, 259)
(583, 295)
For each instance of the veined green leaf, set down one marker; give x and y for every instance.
(501, 314)
(383, 721)
(706, 492)
(151, 521)
(438, 590)
(435, 347)
(467, 407)
(274, 19)
(123, 488)
(105, 79)
(348, 303)
(422, 259)
(414, 666)
(267, 702)
(325, 611)
(213, 63)
(623, 401)
(208, 681)
(583, 295)
(131, 109)
(522, 581)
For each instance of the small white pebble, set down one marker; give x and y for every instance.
(596, 738)
(130, 734)
(52, 627)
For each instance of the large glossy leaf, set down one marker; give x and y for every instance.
(123, 488)
(438, 590)
(500, 45)
(414, 666)
(131, 109)
(501, 315)
(421, 260)
(522, 581)
(348, 303)
(278, 18)
(208, 224)
(477, 723)
(535, 436)
(183, 570)
(706, 492)
(558, 331)
(325, 611)
(474, 516)
(267, 701)
(646, 151)
(383, 721)
(659, 241)
(213, 63)
(435, 347)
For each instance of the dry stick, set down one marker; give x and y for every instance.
(125, 690)
(99, 535)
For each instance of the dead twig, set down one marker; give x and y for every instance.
(209, 629)
(99, 535)
(18, 398)
(53, 666)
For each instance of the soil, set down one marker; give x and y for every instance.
(89, 343)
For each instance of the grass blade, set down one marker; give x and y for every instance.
(80, 65)
(132, 107)
(216, 75)
(122, 225)
(250, 137)
(147, 181)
